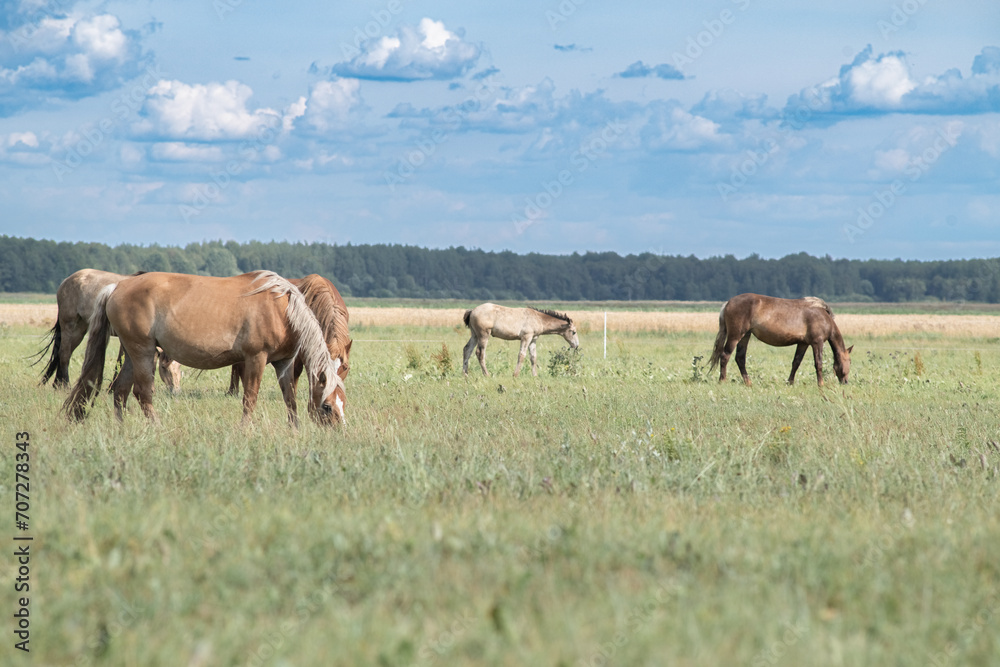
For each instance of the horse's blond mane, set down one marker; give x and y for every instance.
(331, 318)
(312, 344)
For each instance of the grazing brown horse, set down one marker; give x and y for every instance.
(330, 310)
(526, 324)
(257, 318)
(803, 322)
(75, 300)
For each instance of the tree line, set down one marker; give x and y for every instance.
(30, 265)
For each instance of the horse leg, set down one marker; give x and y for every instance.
(72, 335)
(520, 355)
(234, 379)
(467, 353)
(143, 374)
(727, 351)
(170, 372)
(741, 357)
(253, 371)
(287, 380)
(534, 356)
(121, 386)
(481, 353)
(818, 357)
(800, 351)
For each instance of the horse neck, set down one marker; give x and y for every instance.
(549, 324)
(836, 341)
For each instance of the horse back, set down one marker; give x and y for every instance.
(778, 321)
(201, 321)
(77, 294)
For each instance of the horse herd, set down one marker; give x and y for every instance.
(258, 319)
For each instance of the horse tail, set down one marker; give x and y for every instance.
(92, 374)
(720, 340)
(465, 318)
(55, 342)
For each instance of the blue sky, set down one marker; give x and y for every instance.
(855, 129)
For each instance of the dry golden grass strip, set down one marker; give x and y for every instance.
(988, 326)
(666, 322)
(28, 314)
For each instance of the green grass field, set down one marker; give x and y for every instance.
(633, 514)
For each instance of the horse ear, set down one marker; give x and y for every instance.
(849, 349)
(347, 348)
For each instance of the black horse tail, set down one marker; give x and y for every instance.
(92, 374)
(465, 318)
(720, 340)
(55, 341)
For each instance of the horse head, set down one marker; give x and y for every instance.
(328, 398)
(344, 358)
(842, 365)
(569, 333)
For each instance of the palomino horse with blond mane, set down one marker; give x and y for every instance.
(806, 322)
(257, 318)
(75, 301)
(328, 306)
(526, 324)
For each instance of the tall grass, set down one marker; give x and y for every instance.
(624, 515)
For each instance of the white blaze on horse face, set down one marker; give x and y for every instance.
(340, 409)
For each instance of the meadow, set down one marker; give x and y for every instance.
(622, 510)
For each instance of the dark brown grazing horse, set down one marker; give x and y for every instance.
(806, 322)
(257, 318)
(75, 301)
(328, 306)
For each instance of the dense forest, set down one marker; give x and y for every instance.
(29, 265)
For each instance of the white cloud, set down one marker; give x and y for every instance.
(673, 128)
(428, 51)
(101, 38)
(879, 82)
(26, 149)
(174, 110)
(67, 57)
(329, 106)
(176, 151)
(873, 85)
